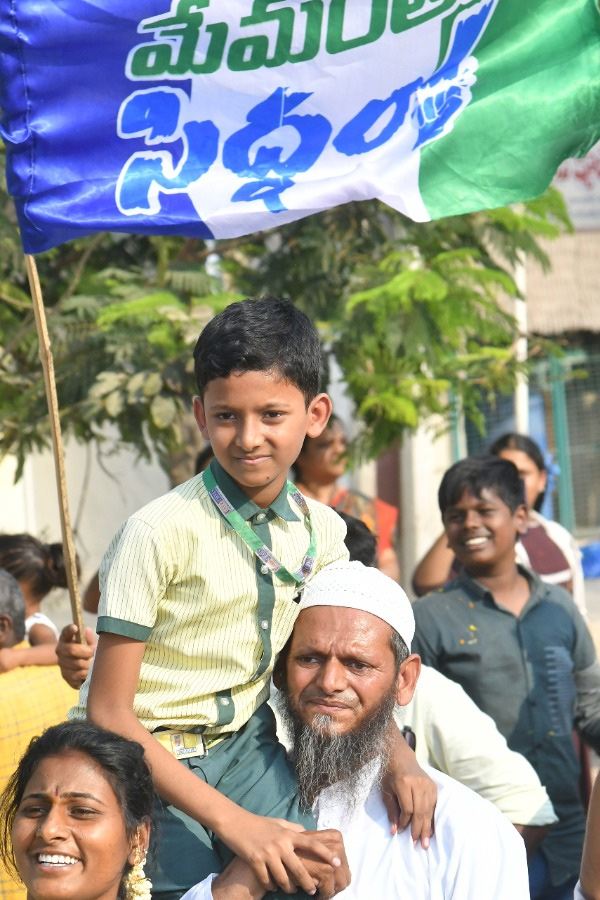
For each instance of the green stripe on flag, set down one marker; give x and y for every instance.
(556, 43)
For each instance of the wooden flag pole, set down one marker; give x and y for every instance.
(57, 444)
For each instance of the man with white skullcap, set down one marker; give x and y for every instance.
(346, 666)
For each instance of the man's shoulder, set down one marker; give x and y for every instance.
(450, 790)
(463, 819)
(459, 808)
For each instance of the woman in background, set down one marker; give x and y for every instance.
(547, 548)
(322, 461)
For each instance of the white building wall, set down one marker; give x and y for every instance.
(423, 461)
(102, 494)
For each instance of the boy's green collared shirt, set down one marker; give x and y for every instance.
(535, 675)
(179, 578)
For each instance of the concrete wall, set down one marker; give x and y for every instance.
(423, 461)
(103, 491)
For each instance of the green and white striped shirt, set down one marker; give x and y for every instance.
(177, 577)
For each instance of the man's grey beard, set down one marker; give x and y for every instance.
(322, 758)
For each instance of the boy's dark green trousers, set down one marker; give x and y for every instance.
(250, 768)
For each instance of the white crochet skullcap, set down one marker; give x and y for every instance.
(355, 586)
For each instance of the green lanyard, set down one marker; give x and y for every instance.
(254, 542)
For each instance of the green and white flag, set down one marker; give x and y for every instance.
(216, 119)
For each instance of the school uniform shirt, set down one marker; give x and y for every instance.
(213, 618)
(475, 853)
(536, 675)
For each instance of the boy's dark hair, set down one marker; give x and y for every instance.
(360, 540)
(264, 335)
(478, 473)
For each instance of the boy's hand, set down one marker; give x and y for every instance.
(238, 881)
(269, 847)
(74, 658)
(408, 793)
(329, 881)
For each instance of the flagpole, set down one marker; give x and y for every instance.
(57, 444)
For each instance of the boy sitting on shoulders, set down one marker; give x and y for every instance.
(199, 593)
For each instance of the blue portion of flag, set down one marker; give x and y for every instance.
(62, 88)
(212, 119)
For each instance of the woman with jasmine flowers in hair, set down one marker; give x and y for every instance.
(75, 817)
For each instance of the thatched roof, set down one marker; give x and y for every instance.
(568, 297)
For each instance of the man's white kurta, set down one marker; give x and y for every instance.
(475, 853)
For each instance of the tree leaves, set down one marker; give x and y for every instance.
(416, 314)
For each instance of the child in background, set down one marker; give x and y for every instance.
(545, 546)
(519, 648)
(38, 568)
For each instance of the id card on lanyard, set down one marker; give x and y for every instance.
(254, 543)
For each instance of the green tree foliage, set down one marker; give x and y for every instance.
(417, 314)
(410, 310)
